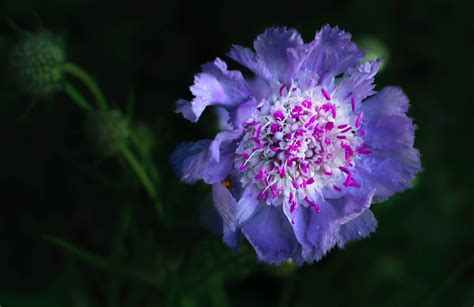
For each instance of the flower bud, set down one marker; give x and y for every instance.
(37, 62)
(106, 131)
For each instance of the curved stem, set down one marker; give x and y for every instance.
(89, 82)
(141, 174)
(76, 97)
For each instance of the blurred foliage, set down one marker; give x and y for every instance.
(81, 231)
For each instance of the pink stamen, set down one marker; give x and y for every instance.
(311, 121)
(359, 119)
(325, 94)
(312, 204)
(307, 104)
(259, 131)
(245, 155)
(342, 126)
(278, 115)
(346, 130)
(341, 137)
(275, 127)
(345, 170)
(329, 126)
(353, 104)
(295, 185)
(281, 89)
(333, 111)
(350, 182)
(251, 124)
(362, 132)
(243, 166)
(310, 181)
(364, 150)
(337, 188)
(274, 148)
(263, 195)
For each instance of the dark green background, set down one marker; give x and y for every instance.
(50, 182)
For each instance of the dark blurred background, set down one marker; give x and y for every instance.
(422, 253)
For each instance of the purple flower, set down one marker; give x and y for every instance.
(306, 152)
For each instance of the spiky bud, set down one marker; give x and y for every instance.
(37, 62)
(106, 131)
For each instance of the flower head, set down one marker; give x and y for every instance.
(37, 60)
(106, 131)
(306, 151)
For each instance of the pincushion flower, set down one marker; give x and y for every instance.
(308, 144)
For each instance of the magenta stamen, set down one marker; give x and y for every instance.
(281, 89)
(329, 126)
(274, 148)
(341, 137)
(278, 115)
(327, 141)
(346, 130)
(333, 111)
(259, 131)
(251, 124)
(275, 127)
(362, 132)
(326, 107)
(310, 181)
(307, 104)
(312, 204)
(263, 195)
(345, 170)
(359, 119)
(244, 165)
(295, 185)
(293, 203)
(245, 155)
(364, 150)
(342, 126)
(311, 121)
(350, 182)
(325, 94)
(337, 188)
(353, 104)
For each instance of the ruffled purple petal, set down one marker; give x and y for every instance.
(222, 138)
(226, 206)
(194, 161)
(247, 203)
(243, 112)
(249, 59)
(270, 234)
(390, 135)
(359, 82)
(271, 59)
(223, 118)
(390, 100)
(331, 53)
(214, 86)
(357, 228)
(317, 233)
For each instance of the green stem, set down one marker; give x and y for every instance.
(141, 174)
(76, 97)
(102, 264)
(89, 82)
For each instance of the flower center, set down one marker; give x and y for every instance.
(299, 144)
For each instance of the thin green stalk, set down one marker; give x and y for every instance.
(141, 174)
(102, 264)
(76, 97)
(89, 82)
(116, 254)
